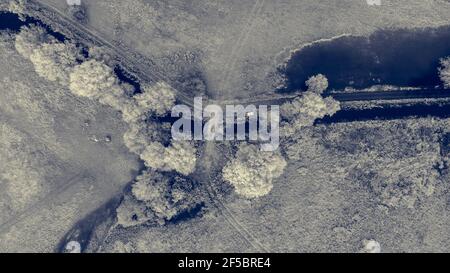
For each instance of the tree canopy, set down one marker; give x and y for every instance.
(55, 61)
(252, 171)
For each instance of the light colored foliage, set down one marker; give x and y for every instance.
(333, 106)
(18, 7)
(304, 110)
(153, 156)
(317, 84)
(101, 54)
(309, 104)
(157, 99)
(141, 134)
(92, 79)
(136, 137)
(153, 189)
(180, 156)
(132, 113)
(444, 72)
(30, 38)
(157, 197)
(114, 97)
(55, 61)
(253, 171)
